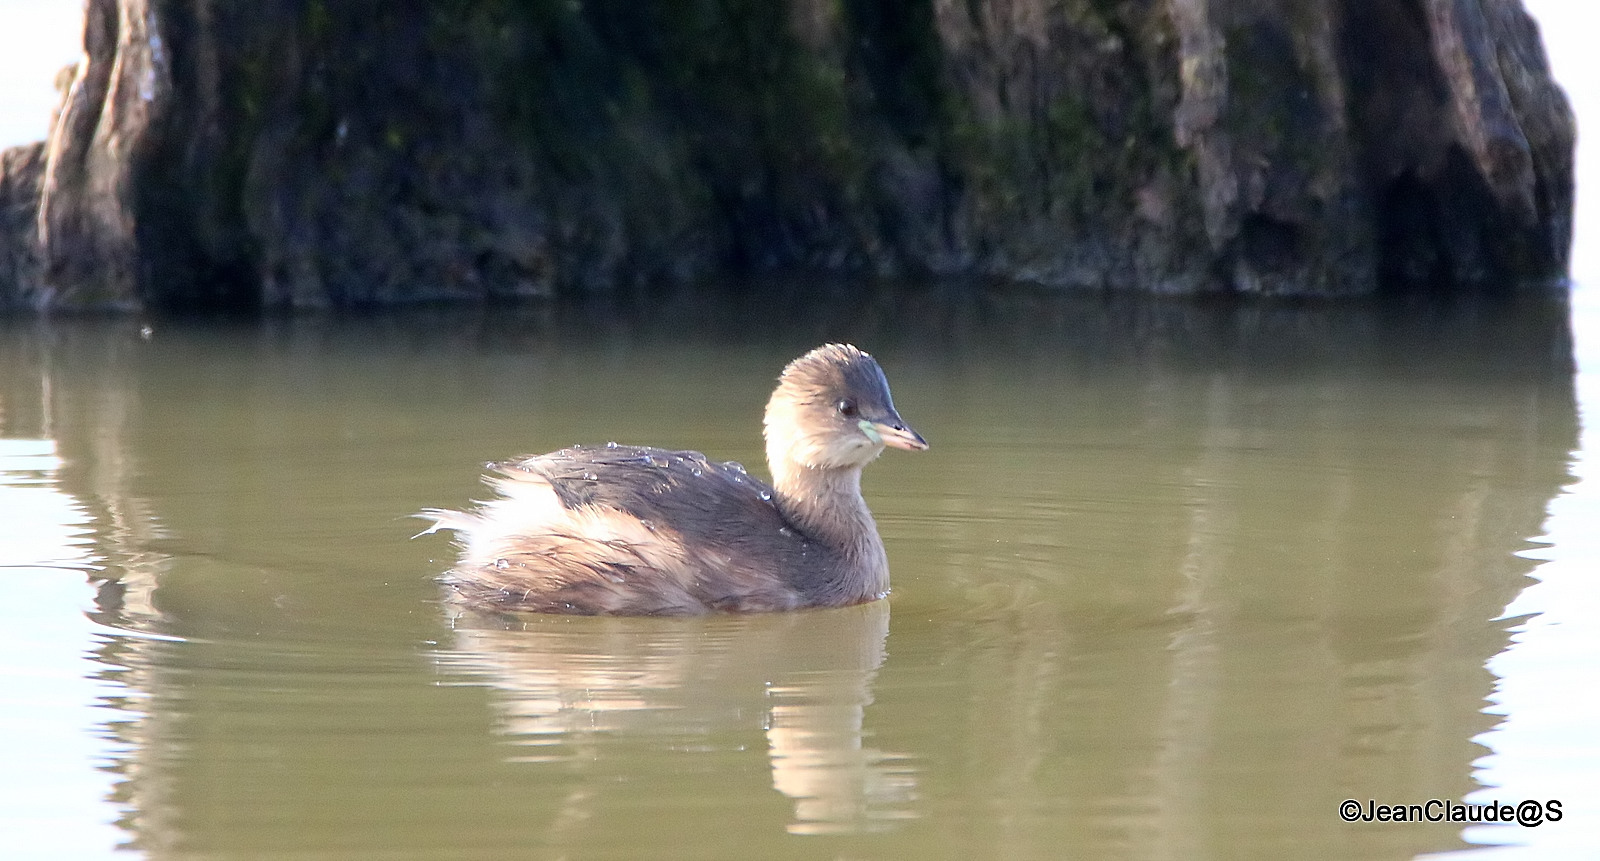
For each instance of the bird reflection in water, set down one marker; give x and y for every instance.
(590, 688)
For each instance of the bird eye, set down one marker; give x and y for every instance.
(847, 408)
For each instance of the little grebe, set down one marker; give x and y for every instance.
(629, 530)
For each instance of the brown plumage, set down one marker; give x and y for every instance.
(630, 530)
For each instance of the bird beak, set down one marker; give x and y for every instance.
(894, 433)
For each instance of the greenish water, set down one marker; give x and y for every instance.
(1174, 580)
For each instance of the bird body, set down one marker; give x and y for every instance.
(631, 530)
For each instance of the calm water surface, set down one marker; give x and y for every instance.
(1174, 580)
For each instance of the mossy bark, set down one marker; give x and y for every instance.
(309, 153)
(21, 281)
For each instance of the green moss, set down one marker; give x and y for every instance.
(1077, 161)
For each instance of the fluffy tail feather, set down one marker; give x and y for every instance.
(444, 518)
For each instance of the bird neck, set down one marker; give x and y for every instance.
(826, 505)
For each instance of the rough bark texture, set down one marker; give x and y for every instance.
(21, 169)
(307, 153)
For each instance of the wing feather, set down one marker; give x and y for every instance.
(628, 529)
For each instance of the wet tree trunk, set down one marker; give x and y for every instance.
(309, 153)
